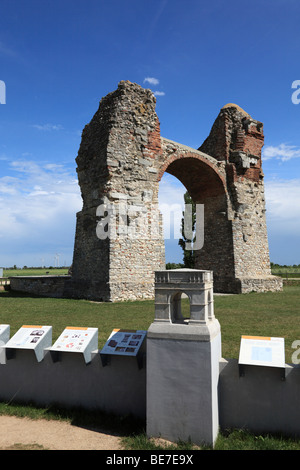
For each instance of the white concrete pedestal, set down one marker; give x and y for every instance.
(183, 372)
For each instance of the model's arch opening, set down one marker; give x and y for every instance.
(180, 309)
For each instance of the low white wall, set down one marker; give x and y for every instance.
(119, 387)
(259, 400)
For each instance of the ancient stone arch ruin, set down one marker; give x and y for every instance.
(122, 158)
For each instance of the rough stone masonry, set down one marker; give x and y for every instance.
(121, 160)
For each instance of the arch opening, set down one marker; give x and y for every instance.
(200, 179)
(180, 308)
(171, 205)
(205, 186)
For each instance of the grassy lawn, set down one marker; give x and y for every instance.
(262, 314)
(17, 310)
(287, 274)
(35, 272)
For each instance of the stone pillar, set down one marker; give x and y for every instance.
(236, 139)
(120, 162)
(183, 360)
(119, 239)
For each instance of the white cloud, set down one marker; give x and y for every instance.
(39, 201)
(282, 204)
(154, 81)
(38, 206)
(283, 207)
(282, 152)
(48, 127)
(151, 80)
(8, 185)
(171, 205)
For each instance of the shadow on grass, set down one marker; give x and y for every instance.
(96, 420)
(15, 294)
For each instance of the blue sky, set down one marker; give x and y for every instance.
(59, 58)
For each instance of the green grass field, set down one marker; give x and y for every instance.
(35, 272)
(262, 314)
(287, 274)
(283, 272)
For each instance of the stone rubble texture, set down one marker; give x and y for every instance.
(122, 157)
(121, 160)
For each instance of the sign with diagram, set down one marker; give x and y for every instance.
(124, 342)
(33, 337)
(77, 339)
(262, 351)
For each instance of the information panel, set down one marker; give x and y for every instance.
(124, 342)
(262, 351)
(33, 337)
(77, 339)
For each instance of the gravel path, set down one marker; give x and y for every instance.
(24, 433)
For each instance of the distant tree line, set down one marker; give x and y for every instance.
(277, 267)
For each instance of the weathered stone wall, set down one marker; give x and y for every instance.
(121, 160)
(205, 179)
(116, 169)
(45, 286)
(237, 140)
(119, 235)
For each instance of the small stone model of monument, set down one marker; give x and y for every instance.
(183, 359)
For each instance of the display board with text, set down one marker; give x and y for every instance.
(124, 342)
(77, 340)
(32, 337)
(262, 351)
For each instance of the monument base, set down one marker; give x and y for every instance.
(244, 285)
(182, 381)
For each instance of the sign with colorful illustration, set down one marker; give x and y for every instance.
(124, 342)
(77, 339)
